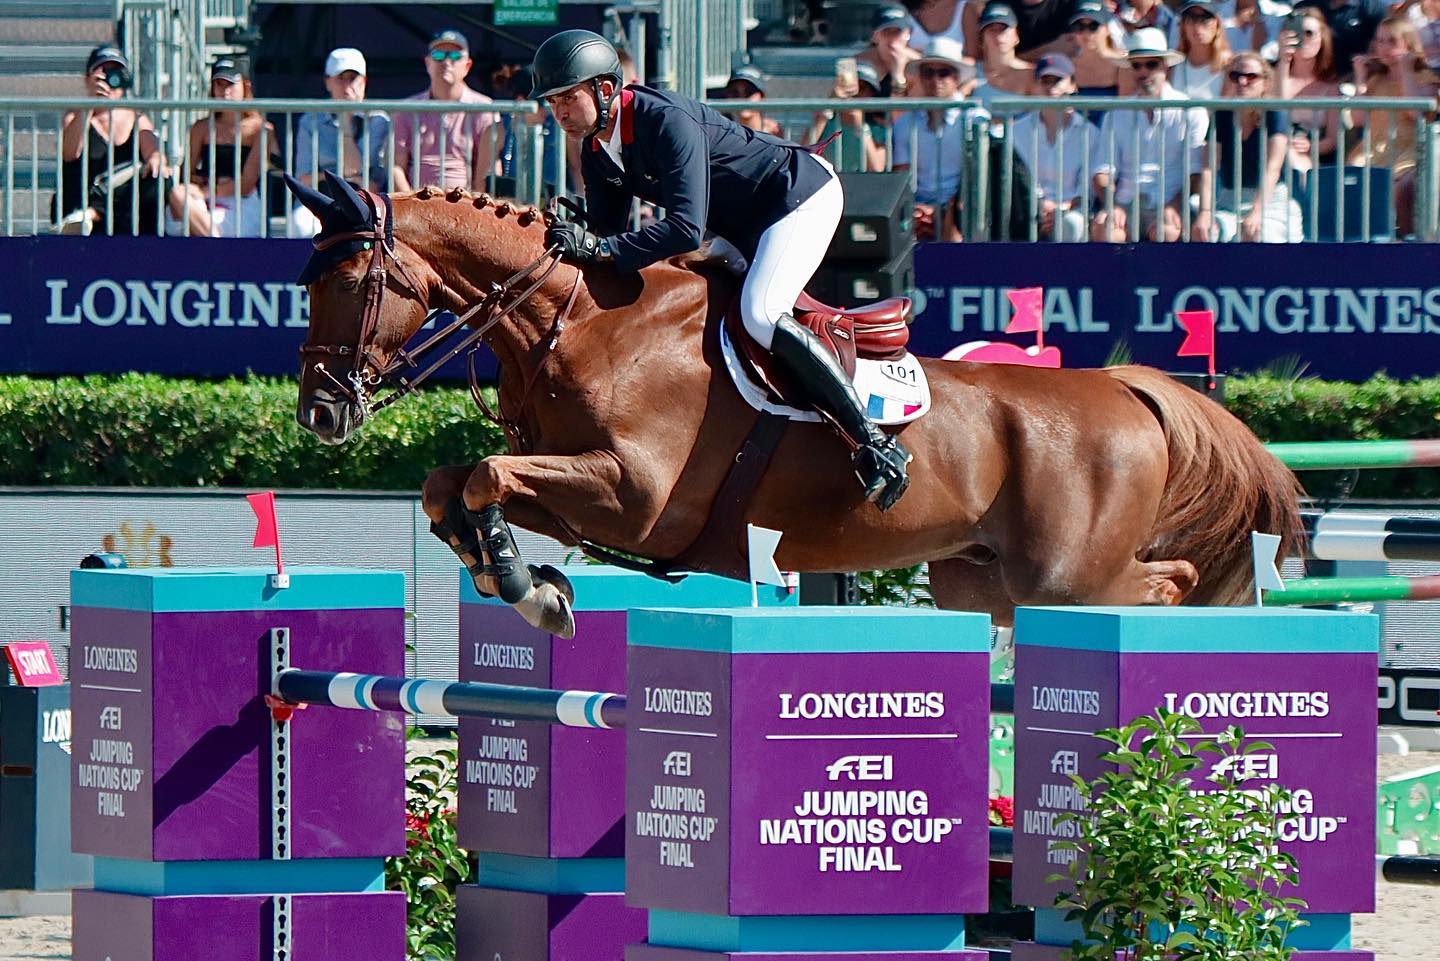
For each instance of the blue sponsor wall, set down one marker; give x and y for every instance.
(216, 307)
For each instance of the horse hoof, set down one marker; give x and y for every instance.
(548, 574)
(547, 609)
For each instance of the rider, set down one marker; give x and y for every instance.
(776, 202)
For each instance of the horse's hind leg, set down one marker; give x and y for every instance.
(960, 585)
(1152, 582)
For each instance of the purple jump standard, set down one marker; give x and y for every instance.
(172, 780)
(807, 783)
(543, 806)
(1303, 681)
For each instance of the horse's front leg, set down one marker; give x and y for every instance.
(542, 595)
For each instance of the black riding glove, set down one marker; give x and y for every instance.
(575, 242)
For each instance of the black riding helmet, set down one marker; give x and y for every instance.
(569, 59)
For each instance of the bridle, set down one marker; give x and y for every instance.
(367, 376)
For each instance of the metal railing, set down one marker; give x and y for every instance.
(166, 43)
(987, 190)
(699, 40)
(241, 196)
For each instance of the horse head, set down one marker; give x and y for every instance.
(369, 293)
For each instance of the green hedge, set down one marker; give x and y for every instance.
(144, 430)
(149, 431)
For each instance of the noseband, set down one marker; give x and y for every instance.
(366, 375)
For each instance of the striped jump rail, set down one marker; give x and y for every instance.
(1354, 590)
(1352, 536)
(1357, 454)
(374, 692)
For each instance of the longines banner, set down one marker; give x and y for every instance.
(212, 307)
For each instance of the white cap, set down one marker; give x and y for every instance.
(342, 59)
(944, 50)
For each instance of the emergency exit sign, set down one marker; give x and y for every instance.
(527, 13)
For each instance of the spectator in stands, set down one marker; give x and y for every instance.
(1052, 145)
(931, 19)
(1425, 16)
(1244, 25)
(1099, 64)
(1251, 202)
(1132, 15)
(469, 139)
(1206, 51)
(1353, 24)
(122, 199)
(512, 82)
(889, 52)
(1395, 67)
(940, 136)
(222, 195)
(1002, 73)
(1171, 141)
(1307, 69)
(859, 138)
(748, 83)
(1041, 26)
(349, 143)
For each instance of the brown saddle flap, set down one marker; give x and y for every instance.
(836, 333)
(881, 329)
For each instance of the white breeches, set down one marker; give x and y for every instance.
(786, 258)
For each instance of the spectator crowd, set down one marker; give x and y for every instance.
(1160, 171)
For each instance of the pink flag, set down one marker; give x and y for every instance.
(1199, 328)
(267, 527)
(1029, 304)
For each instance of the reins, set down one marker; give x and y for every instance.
(366, 376)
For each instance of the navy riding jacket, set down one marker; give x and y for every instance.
(706, 170)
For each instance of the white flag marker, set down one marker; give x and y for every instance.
(1264, 547)
(761, 543)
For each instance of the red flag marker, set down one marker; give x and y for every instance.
(1029, 304)
(267, 532)
(1199, 326)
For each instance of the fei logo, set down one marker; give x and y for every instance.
(1248, 766)
(677, 763)
(862, 767)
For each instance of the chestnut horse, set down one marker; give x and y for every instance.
(1029, 485)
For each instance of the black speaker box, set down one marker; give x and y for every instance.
(878, 223)
(852, 285)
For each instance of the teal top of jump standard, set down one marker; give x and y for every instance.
(163, 590)
(805, 630)
(601, 588)
(1198, 630)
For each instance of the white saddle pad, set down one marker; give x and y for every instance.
(893, 391)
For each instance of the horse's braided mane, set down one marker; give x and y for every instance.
(525, 214)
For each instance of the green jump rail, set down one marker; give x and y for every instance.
(1357, 454)
(1337, 590)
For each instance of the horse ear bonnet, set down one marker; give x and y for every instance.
(341, 210)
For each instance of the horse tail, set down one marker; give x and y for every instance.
(1222, 485)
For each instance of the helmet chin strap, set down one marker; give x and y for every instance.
(604, 103)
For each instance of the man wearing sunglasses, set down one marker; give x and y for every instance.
(939, 138)
(445, 149)
(1170, 144)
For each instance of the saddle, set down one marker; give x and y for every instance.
(877, 331)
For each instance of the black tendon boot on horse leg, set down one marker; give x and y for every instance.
(542, 595)
(879, 459)
(459, 535)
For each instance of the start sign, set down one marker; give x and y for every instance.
(33, 664)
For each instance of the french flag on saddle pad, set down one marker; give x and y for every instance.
(888, 409)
